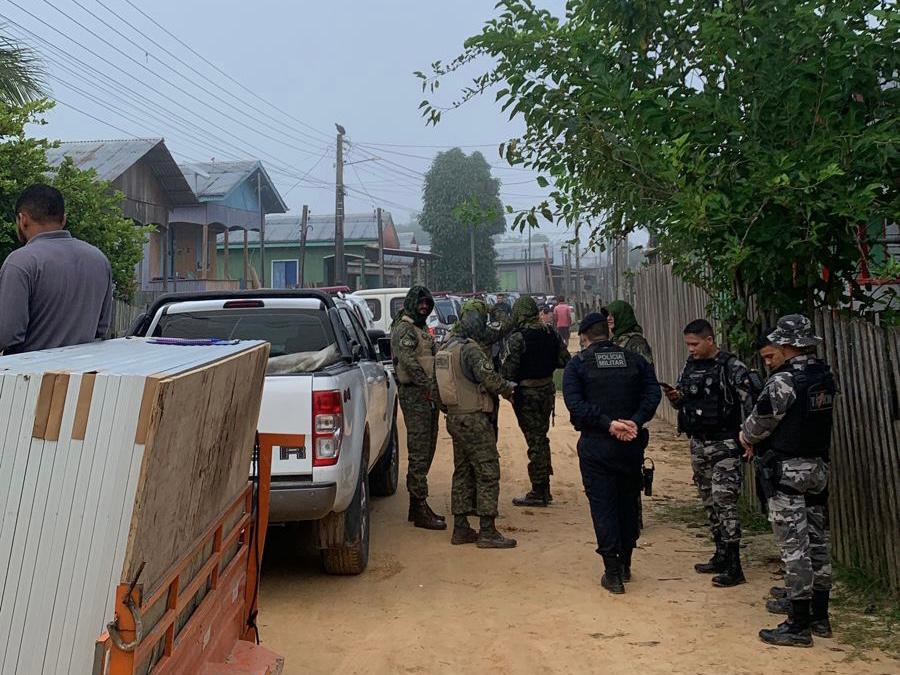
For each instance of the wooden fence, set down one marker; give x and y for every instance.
(864, 502)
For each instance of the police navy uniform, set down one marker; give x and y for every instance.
(601, 384)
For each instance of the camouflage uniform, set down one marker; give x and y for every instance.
(534, 400)
(628, 333)
(716, 463)
(418, 399)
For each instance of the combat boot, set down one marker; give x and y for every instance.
(795, 632)
(625, 562)
(414, 506)
(539, 495)
(779, 606)
(489, 537)
(424, 517)
(612, 575)
(778, 592)
(463, 533)
(733, 574)
(717, 563)
(820, 625)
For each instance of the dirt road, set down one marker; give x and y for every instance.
(425, 606)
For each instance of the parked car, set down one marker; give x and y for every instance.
(327, 396)
(384, 303)
(444, 315)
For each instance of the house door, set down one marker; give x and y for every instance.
(284, 273)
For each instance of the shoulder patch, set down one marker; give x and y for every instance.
(409, 341)
(610, 360)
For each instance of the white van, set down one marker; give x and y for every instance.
(385, 304)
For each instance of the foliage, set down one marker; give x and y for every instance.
(93, 210)
(460, 194)
(750, 138)
(21, 74)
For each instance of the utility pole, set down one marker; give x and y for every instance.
(340, 270)
(528, 265)
(578, 291)
(380, 248)
(304, 226)
(262, 228)
(472, 253)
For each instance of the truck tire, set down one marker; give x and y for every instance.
(385, 474)
(353, 556)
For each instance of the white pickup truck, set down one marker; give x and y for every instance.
(328, 402)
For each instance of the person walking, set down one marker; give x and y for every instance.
(466, 379)
(533, 354)
(562, 317)
(611, 393)
(56, 290)
(714, 394)
(626, 331)
(413, 352)
(791, 426)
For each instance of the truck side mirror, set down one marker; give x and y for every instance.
(452, 318)
(384, 349)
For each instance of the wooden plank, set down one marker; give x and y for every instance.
(148, 400)
(83, 405)
(42, 411)
(57, 406)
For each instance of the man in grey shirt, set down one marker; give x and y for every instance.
(55, 290)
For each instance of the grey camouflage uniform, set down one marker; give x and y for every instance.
(476, 462)
(799, 527)
(717, 466)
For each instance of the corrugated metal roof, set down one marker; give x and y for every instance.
(357, 227)
(214, 181)
(111, 158)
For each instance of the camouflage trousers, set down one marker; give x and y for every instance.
(718, 475)
(421, 417)
(476, 465)
(799, 527)
(533, 407)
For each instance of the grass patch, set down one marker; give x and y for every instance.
(865, 613)
(752, 521)
(557, 379)
(688, 513)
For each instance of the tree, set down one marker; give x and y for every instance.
(93, 209)
(461, 194)
(21, 74)
(754, 140)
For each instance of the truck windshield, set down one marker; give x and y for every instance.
(444, 309)
(290, 331)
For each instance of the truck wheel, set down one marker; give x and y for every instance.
(352, 558)
(385, 474)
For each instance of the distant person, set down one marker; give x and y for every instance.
(502, 305)
(56, 290)
(626, 331)
(546, 315)
(562, 315)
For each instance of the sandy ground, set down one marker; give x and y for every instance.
(425, 606)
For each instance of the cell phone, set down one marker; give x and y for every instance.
(667, 387)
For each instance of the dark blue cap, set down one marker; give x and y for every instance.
(592, 319)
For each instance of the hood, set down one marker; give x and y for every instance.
(413, 297)
(472, 322)
(525, 311)
(626, 322)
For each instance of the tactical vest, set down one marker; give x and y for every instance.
(541, 356)
(710, 403)
(805, 430)
(424, 354)
(612, 380)
(458, 392)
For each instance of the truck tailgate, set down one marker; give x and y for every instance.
(287, 410)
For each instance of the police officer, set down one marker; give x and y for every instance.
(413, 351)
(611, 393)
(714, 394)
(791, 427)
(467, 380)
(533, 353)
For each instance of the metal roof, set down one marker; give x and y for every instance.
(357, 227)
(214, 181)
(111, 158)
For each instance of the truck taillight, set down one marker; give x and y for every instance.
(328, 427)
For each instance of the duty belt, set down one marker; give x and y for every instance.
(712, 436)
(540, 382)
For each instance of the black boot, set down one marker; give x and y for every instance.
(612, 576)
(779, 605)
(625, 561)
(489, 537)
(778, 592)
(820, 625)
(716, 563)
(733, 574)
(414, 505)
(424, 517)
(539, 495)
(463, 533)
(794, 632)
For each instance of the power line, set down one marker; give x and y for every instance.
(308, 171)
(222, 72)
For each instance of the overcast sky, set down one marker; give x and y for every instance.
(307, 64)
